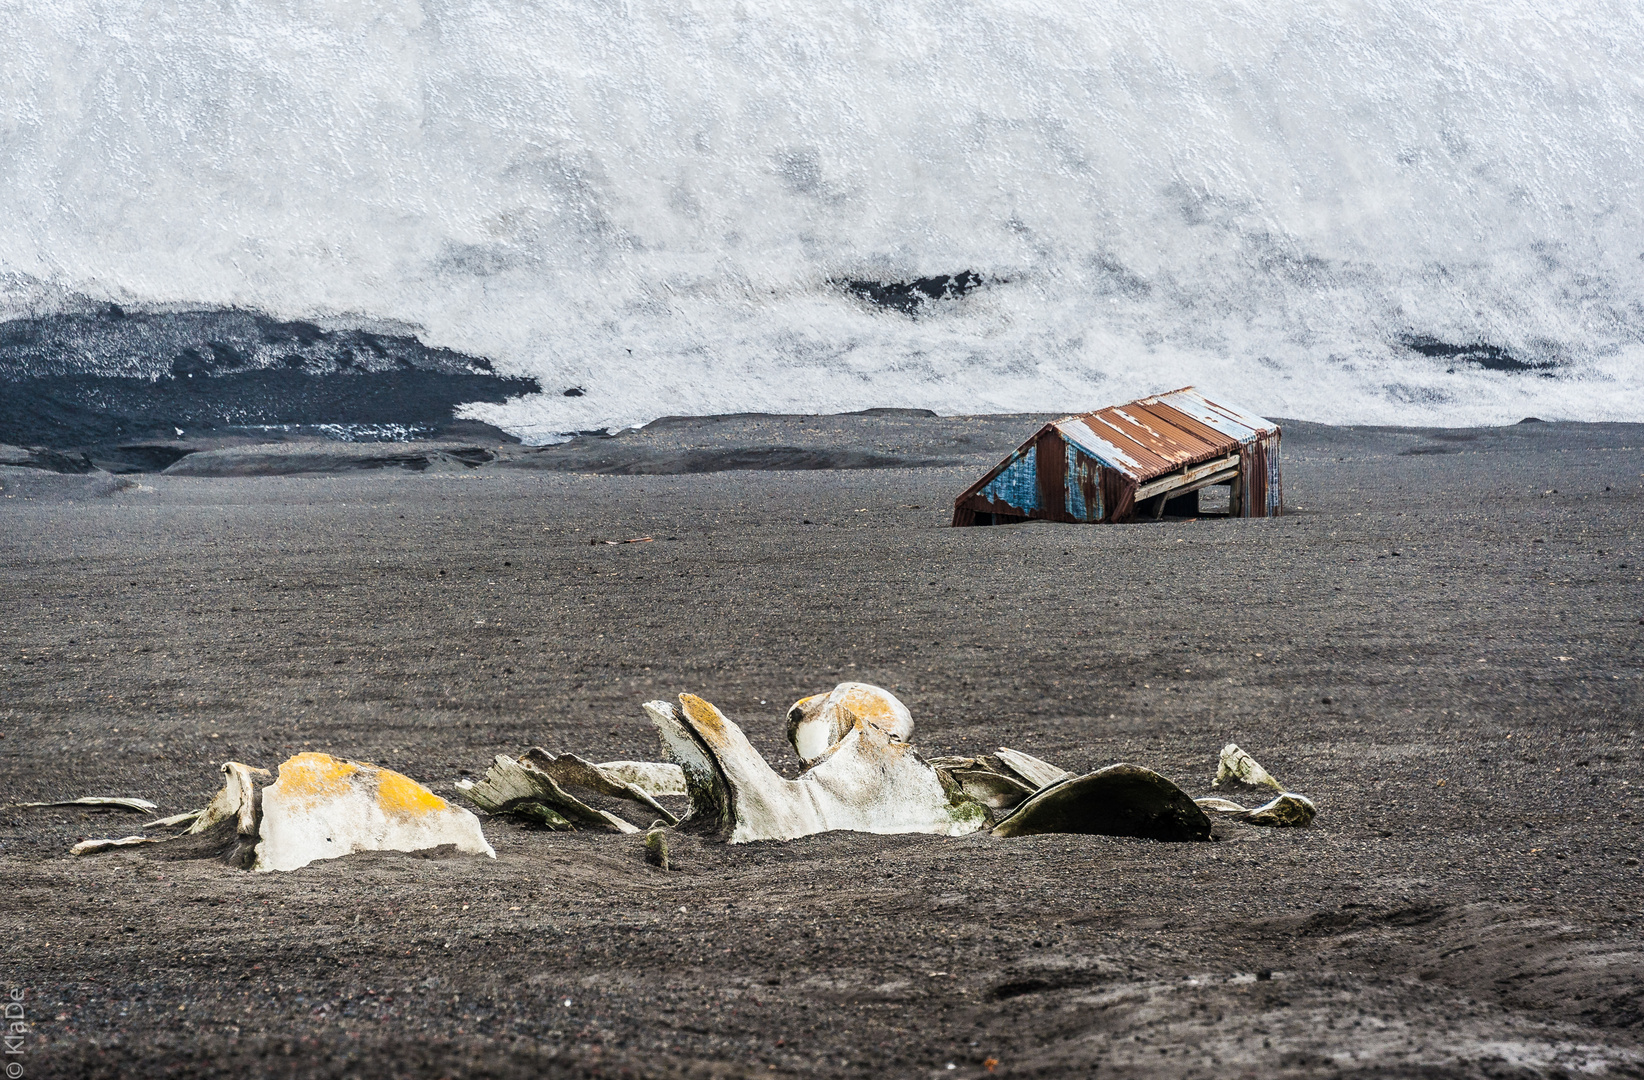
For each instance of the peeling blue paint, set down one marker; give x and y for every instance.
(1082, 467)
(1017, 484)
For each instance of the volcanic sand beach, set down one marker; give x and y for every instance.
(1439, 645)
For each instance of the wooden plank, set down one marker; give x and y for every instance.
(1223, 477)
(1185, 477)
(1156, 505)
(1180, 484)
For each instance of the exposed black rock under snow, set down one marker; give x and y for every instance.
(319, 457)
(83, 411)
(1480, 353)
(761, 442)
(872, 439)
(110, 341)
(591, 457)
(89, 380)
(909, 297)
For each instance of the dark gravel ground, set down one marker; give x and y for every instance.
(1440, 645)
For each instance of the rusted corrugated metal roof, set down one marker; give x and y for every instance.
(1113, 463)
(1160, 434)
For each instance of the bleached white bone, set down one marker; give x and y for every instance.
(91, 847)
(1288, 810)
(821, 721)
(1235, 764)
(323, 807)
(652, 777)
(868, 781)
(237, 799)
(1031, 769)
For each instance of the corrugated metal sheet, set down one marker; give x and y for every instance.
(1161, 434)
(1230, 420)
(1088, 467)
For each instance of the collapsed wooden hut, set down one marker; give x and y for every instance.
(1146, 459)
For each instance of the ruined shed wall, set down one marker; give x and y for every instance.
(1260, 478)
(1048, 478)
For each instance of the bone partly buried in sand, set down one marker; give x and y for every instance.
(321, 807)
(862, 774)
(1238, 767)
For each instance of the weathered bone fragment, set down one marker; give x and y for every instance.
(1031, 769)
(868, 781)
(652, 777)
(91, 847)
(239, 799)
(523, 788)
(323, 807)
(504, 786)
(1288, 810)
(142, 806)
(175, 819)
(568, 769)
(1235, 764)
(1002, 780)
(1120, 800)
(985, 782)
(239, 802)
(821, 721)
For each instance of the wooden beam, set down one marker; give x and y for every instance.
(1186, 476)
(1180, 485)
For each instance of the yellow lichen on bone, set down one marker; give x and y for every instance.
(708, 721)
(402, 795)
(316, 777)
(821, 721)
(323, 807)
(872, 705)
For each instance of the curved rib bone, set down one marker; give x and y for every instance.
(1120, 800)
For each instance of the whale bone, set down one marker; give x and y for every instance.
(323, 807)
(818, 723)
(869, 780)
(1119, 800)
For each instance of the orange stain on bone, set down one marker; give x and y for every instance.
(707, 720)
(313, 776)
(397, 794)
(865, 704)
(316, 778)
